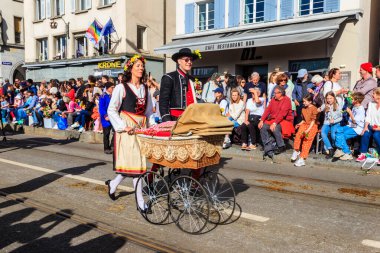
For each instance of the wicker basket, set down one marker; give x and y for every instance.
(182, 152)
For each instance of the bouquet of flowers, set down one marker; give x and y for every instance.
(198, 88)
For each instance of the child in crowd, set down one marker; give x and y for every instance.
(254, 110)
(307, 129)
(96, 116)
(156, 110)
(353, 129)
(4, 109)
(333, 117)
(371, 127)
(236, 112)
(223, 104)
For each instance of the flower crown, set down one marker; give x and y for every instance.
(132, 61)
(197, 53)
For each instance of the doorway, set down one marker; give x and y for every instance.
(247, 70)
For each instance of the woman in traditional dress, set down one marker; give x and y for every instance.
(130, 106)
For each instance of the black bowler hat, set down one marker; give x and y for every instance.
(185, 52)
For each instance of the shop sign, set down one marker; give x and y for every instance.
(107, 72)
(204, 71)
(312, 65)
(229, 45)
(8, 63)
(109, 65)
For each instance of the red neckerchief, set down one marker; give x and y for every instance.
(189, 93)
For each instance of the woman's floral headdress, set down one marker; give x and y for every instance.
(132, 61)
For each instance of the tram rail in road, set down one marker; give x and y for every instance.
(131, 237)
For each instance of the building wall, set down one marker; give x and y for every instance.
(11, 54)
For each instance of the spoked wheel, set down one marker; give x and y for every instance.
(155, 192)
(221, 194)
(189, 205)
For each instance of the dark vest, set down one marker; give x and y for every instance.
(130, 101)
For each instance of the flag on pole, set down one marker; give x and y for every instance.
(93, 33)
(108, 28)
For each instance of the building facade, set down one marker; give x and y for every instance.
(242, 36)
(57, 47)
(12, 40)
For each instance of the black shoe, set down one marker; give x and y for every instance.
(108, 151)
(111, 195)
(280, 150)
(330, 155)
(145, 211)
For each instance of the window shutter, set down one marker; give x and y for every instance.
(189, 18)
(48, 9)
(220, 10)
(287, 9)
(43, 10)
(88, 4)
(331, 5)
(73, 6)
(270, 10)
(233, 13)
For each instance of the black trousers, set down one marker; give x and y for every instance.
(106, 137)
(252, 129)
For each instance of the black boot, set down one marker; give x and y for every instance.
(330, 155)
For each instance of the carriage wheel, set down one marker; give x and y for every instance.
(189, 205)
(155, 192)
(221, 194)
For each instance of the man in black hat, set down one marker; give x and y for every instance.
(177, 89)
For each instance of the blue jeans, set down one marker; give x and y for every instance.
(343, 133)
(326, 129)
(4, 114)
(364, 144)
(81, 118)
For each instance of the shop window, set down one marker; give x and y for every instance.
(206, 15)
(307, 7)
(18, 28)
(81, 46)
(40, 9)
(141, 38)
(60, 47)
(42, 46)
(253, 11)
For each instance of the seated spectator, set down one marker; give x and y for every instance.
(24, 110)
(72, 109)
(333, 117)
(236, 110)
(223, 104)
(209, 87)
(156, 110)
(276, 121)
(271, 84)
(96, 116)
(58, 107)
(84, 115)
(307, 130)
(371, 127)
(254, 83)
(254, 110)
(70, 92)
(353, 129)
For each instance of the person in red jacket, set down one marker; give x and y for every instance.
(276, 123)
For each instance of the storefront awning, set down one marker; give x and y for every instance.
(279, 35)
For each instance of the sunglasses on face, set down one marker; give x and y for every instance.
(282, 80)
(187, 60)
(277, 92)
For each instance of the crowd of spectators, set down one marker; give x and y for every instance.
(348, 121)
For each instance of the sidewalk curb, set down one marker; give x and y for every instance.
(97, 138)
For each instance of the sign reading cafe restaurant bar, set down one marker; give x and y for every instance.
(228, 45)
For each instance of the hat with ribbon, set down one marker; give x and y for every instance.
(186, 52)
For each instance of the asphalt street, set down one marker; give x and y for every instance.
(53, 199)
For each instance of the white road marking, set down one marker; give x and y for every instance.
(371, 243)
(125, 188)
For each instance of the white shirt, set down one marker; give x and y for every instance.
(224, 107)
(330, 86)
(208, 92)
(373, 114)
(359, 115)
(237, 112)
(116, 100)
(254, 108)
